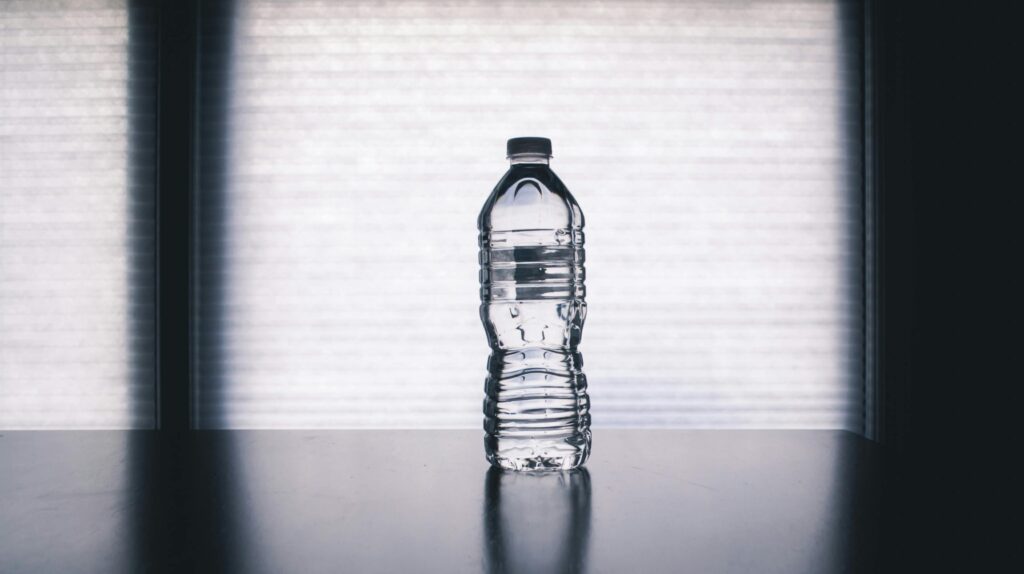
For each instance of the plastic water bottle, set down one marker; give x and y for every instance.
(536, 409)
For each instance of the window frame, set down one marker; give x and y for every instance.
(887, 209)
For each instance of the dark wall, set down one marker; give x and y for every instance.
(946, 147)
(949, 270)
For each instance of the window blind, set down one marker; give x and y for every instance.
(76, 219)
(346, 149)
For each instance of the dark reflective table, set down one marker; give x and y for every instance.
(426, 501)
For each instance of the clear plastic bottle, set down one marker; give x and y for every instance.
(536, 408)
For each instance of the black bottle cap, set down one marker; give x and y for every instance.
(541, 146)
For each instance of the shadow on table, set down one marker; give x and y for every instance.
(190, 508)
(536, 522)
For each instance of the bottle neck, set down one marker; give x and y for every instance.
(529, 158)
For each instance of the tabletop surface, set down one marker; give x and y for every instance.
(426, 501)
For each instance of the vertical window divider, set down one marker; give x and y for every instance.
(176, 81)
(890, 219)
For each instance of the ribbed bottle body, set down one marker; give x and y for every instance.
(536, 408)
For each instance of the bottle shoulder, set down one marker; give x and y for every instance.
(530, 197)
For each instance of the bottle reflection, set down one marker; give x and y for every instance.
(536, 522)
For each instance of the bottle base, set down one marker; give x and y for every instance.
(538, 454)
